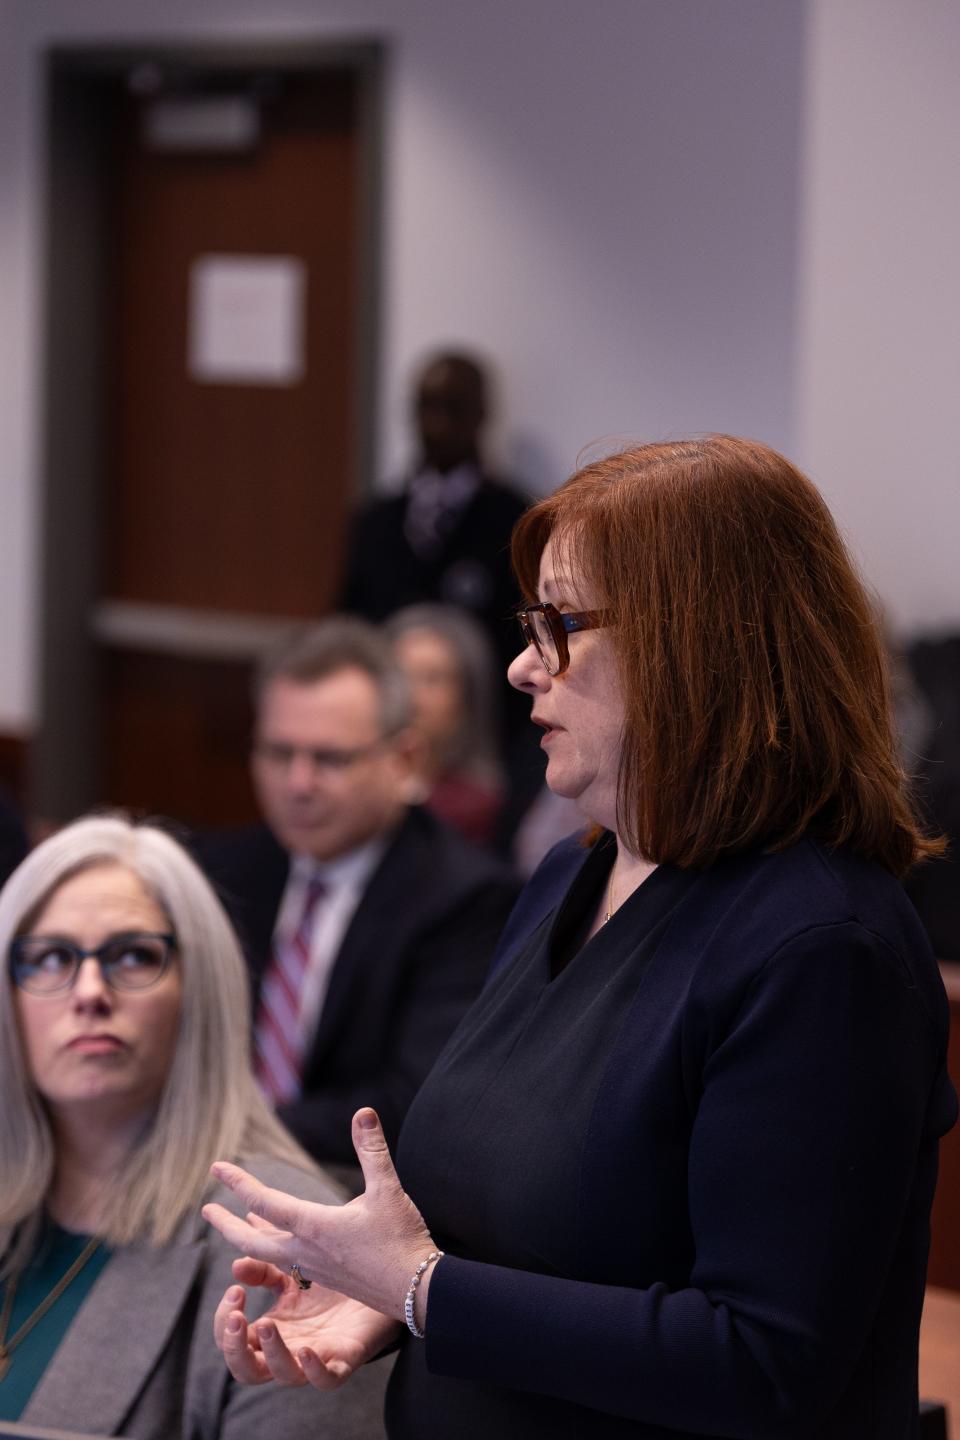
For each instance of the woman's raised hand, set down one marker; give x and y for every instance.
(364, 1252)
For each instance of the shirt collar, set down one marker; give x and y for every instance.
(457, 485)
(350, 869)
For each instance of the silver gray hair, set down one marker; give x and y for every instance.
(210, 1106)
(476, 746)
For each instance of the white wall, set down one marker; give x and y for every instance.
(879, 368)
(657, 215)
(602, 197)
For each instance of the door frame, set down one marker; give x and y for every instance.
(78, 81)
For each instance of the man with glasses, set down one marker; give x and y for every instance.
(367, 924)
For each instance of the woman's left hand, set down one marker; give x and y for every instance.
(313, 1336)
(367, 1249)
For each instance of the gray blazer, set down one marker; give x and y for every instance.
(139, 1359)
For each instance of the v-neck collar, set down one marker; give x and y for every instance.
(568, 940)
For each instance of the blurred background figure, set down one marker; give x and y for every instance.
(445, 537)
(13, 836)
(550, 818)
(124, 1073)
(455, 687)
(925, 700)
(935, 889)
(367, 923)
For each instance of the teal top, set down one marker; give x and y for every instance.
(51, 1260)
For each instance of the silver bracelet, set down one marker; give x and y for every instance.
(408, 1314)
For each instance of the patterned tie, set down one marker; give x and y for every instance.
(278, 1044)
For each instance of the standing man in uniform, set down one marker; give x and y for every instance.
(446, 537)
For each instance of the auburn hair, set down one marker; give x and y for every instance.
(753, 670)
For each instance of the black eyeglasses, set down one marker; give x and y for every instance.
(546, 628)
(45, 965)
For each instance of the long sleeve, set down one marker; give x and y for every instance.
(817, 1104)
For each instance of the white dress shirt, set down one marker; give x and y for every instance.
(345, 880)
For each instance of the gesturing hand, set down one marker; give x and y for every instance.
(313, 1336)
(366, 1250)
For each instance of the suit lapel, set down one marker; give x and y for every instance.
(261, 904)
(116, 1339)
(375, 933)
(249, 872)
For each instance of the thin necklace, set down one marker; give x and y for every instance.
(7, 1347)
(611, 903)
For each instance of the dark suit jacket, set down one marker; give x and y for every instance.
(413, 958)
(472, 570)
(753, 1208)
(13, 838)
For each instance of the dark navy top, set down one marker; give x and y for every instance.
(683, 1172)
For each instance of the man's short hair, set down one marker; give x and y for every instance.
(343, 642)
(469, 371)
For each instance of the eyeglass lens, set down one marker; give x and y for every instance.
(537, 629)
(128, 962)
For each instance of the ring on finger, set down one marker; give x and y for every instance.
(302, 1282)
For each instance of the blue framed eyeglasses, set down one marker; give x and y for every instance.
(47, 965)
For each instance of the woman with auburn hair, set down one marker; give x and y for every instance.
(672, 1175)
(124, 1071)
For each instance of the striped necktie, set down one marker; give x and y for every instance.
(279, 1045)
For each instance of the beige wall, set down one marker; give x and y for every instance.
(601, 197)
(879, 337)
(658, 216)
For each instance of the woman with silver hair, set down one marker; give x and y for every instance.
(450, 665)
(124, 1071)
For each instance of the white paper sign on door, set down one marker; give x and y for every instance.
(246, 320)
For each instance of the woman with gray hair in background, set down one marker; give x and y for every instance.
(124, 1071)
(451, 667)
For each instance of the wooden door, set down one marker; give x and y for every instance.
(223, 502)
